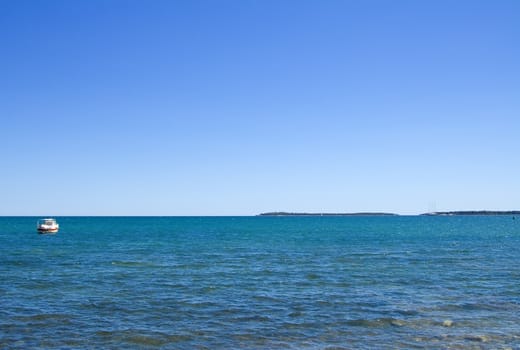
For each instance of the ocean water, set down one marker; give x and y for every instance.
(261, 283)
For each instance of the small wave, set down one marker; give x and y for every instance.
(407, 312)
(132, 263)
(377, 323)
(146, 340)
(266, 298)
(140, 338)
(63, 318)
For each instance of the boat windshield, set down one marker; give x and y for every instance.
(46, 222)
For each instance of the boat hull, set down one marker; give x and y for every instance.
(47, 230)
(47, 225)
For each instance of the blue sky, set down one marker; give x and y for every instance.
(240, 107)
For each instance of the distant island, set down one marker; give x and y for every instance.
(283, 213)
(436, 213)
(473, 212)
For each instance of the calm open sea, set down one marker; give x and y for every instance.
(261, 283)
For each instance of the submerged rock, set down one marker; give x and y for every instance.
(397, 323)
(477, 338)
(447, 323)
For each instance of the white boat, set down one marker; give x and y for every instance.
(47, 226)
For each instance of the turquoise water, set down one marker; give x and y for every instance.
(261, 283)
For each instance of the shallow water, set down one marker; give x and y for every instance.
(261, 283)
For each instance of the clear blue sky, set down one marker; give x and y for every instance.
(238, 107)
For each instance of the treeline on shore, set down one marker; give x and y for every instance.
(437, 213)
(283, 213)
(475, 212)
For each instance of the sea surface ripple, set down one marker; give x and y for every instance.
(261, 283)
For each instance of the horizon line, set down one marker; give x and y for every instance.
(287, 213)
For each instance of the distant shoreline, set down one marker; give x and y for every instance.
(437, 213)
(473, 212)
(282, 213)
